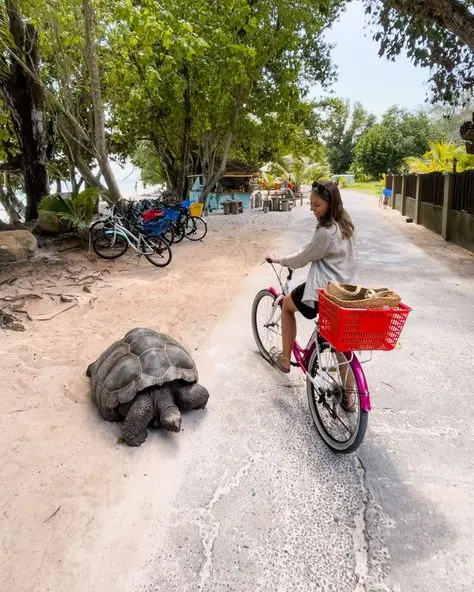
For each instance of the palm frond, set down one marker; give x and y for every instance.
(55, 204)
(78, 210)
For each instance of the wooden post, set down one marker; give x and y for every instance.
(418, 199)
(404, 195)
(447, 202)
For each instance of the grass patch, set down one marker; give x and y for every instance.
(372, 187)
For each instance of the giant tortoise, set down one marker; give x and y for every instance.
(145, 378)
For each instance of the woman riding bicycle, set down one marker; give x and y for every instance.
(331, 253)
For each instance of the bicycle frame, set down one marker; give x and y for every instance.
(120, 230)
(303, 355)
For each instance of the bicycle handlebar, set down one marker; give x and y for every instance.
(290, 271)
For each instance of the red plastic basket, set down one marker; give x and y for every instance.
(360, 329)
(152, 215)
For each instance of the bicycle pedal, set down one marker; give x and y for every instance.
(294, 364)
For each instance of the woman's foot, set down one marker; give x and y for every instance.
(348, 402)
(279, 360)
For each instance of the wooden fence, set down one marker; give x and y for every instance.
(432, 188)
(444, 203)
(463, 192)
(410, 186)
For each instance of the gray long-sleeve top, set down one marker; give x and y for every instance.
(332, 258)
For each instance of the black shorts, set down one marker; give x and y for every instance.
(307, 311)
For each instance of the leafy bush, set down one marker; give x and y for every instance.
(76, 211)
(440, 157)
(342, 182)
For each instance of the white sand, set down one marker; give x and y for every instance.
(58, 456)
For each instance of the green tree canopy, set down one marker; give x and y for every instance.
(342, 126)
(385, 145)
(198, 79)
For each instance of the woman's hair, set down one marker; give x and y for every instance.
(336, 213)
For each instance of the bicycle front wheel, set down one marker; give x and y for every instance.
(157, 251)
(332, 388)
(97, 228)
(266, 322)
(196, 228)
(168, 235)
(110, 246)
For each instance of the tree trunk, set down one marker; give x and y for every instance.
(9, 208)
(213, 176)
(17, 204)
(12, 205)
(36, 187)
(185, 149)
(169, 164)
(25, 100)
(92, 61)
(70, 132)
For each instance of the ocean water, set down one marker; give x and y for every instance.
(128, 179)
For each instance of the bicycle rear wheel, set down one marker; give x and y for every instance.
(109, 246)
(196, 228)
(333, 385)
(266, 322)
(157, 251)
(179, 229)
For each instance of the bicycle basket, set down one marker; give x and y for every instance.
(150, 215)
(156, 228)
(173, 215)
(360, 329)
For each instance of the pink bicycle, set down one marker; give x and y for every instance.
(337, 389)
(332, 378)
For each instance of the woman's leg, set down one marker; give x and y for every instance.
(288, 329)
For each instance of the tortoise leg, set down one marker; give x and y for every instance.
(165, 408)
(134, 428)
(191, 396)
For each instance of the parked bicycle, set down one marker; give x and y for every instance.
(193, 228)
(338, 393)
(132, 218)
(114, 241)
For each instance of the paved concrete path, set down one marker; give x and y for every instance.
(250, 499)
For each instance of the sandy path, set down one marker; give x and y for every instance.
(62, 470)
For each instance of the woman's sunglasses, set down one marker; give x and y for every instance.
(321, 189)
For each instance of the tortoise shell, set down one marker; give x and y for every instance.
(143, 358)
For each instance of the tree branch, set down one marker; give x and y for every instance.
(450, 14)
(96, 96)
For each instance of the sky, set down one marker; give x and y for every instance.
(376, 82)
